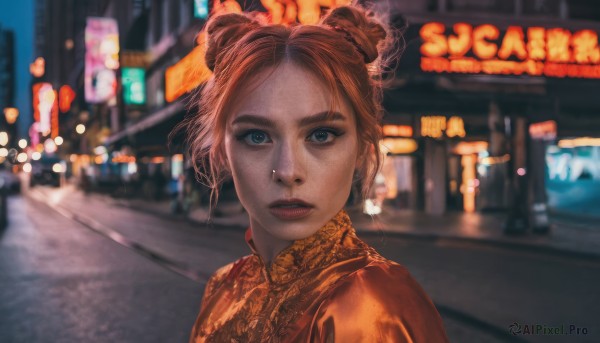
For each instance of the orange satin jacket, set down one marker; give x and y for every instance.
(329, 287)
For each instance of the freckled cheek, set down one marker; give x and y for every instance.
(336, 173)
(249, 173)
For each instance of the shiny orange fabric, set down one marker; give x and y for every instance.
(329, 287)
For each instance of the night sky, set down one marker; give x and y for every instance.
(17, 15)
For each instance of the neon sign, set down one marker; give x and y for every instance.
(543, 130)
(188, 73)
(397, 130)
(66, 95)
(436, 126)
(101, 59)
(536, 51)
(285, 12)
(134, 86)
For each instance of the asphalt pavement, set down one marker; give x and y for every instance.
(480, 289)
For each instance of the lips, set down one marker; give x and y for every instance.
(290, 203)
(290, 209)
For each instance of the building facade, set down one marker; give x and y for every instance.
(482, 84)
(480, 90)
(7, 83)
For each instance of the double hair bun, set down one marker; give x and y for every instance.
(354, 25)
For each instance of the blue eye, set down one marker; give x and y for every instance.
(254, 137)
(324, 135)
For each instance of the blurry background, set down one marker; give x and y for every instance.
(489, 192)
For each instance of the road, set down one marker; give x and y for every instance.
(79, 268)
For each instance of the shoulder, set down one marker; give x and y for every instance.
(227, 272)
(379, 302)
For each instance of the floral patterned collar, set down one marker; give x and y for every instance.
(316, 251)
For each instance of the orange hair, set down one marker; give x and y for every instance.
(344, 49)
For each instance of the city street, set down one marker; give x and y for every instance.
(463, 137)
(77, 267)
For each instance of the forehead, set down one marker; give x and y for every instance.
(287, 91)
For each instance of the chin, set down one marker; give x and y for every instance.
(294, 230)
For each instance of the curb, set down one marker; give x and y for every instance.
(429, 237)
(515, 246)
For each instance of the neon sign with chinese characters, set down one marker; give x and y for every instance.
(436, 126)
(536, 51)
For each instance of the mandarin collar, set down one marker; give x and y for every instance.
(316, 251)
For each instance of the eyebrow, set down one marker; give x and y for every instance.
(266, 122)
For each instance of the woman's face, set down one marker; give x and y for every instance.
(274, 126)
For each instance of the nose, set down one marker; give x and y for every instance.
(289, 165)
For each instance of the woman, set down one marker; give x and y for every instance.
(290, 114)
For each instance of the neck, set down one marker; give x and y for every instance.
(266, 245)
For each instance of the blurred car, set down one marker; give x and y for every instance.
(46, 171)
(11, 181)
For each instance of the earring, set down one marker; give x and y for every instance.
(273, 174)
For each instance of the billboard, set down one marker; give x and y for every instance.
(134, 86)
(101, 59)
(484, 49)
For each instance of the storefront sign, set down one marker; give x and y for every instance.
(579, 142)
(537, 51)
(436, 126)
(397, 130)
(134, 86)
(187, 74)
(545, 130)
(399, 145)
(470, 148)
(101, 59)
(283, 12)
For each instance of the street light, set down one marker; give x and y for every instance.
(11, 114)
(58, 140)
(23, 143)
(22, 157)
(80, 129)
(3, 138)
(36, 155)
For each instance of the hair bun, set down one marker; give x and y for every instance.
(224, 30)
(364, 30)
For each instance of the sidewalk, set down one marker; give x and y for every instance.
(567, 237)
